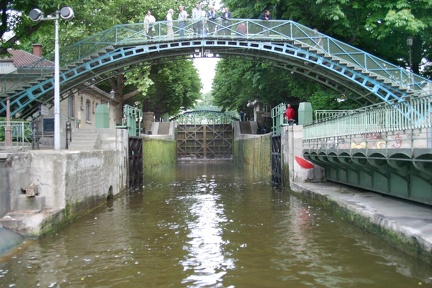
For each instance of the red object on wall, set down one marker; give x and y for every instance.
(304, 163)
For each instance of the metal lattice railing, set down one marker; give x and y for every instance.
(414, 113)
(206, 115)
(132, 120)
(20, 132)
(280, 30)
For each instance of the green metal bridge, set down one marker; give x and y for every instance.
(289, 45)
(206, 115)
(340, 144)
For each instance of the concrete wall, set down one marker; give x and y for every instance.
(70, 183)
(14, 175)
(294, 167)
(158, 152)
(253, 153)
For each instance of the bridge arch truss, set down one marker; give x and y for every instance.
(289, 45)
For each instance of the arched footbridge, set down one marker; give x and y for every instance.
(289, 45)
(296, 48)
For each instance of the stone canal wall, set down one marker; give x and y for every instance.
(48, 188)
(158, 152)
(294, 167)
(14, 174)
(253, 153)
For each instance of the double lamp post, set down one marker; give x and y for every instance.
(67, 14)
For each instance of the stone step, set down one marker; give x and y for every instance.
(24, 203)
(84, 139)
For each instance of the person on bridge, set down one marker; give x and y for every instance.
(197, 20)
(169, 19)
(226, 16)
(290, 114)
(212, 16)
(241, 29)
(266, 16)
(182, 18)
(149, 21)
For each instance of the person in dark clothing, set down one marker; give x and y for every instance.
(212, 16)
(226, 17)
(266, 16)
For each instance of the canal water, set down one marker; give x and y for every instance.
(210, 225)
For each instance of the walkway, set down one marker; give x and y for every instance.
(405, 225)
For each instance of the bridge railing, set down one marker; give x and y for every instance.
(372, 119)
(20, 133)
(249, 29)
(205, 115)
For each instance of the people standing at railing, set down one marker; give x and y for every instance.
(149, 21)
(169, 19)
(197, 20)
(182, 18)
(226, 17)
(266, 16)
(289, 114)
(211, 16)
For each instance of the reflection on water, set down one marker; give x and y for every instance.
(207, 225)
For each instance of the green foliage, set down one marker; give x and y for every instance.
(379, 27)
(174, 84)
(93, 16)
(238, 81)
(16, 131)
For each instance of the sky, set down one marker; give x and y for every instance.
(206, 69)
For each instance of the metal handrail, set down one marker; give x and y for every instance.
(276, 30)
(375, 119)
(18, 129)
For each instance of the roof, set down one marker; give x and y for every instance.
(24, 59)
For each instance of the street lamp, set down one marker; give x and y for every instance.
(67, 14)
(409, 41)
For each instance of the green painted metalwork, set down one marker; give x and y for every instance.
(277, 114)
(132, 120)
(206, 115)
(396, 172)
(289, 44)
(20, 132)
(373, 119)
(376, 149)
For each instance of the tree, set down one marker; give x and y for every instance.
(379, 27)
(239, 81)
(175, 84)
(91, 16)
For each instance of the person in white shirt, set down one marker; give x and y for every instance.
(182, 17)
(169, 19)
(197, 20)
(149, 21)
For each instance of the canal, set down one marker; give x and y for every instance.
(210, 225)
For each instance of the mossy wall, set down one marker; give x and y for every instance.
(254, 155)
(158, 153)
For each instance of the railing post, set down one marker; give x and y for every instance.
(8, 138)
(68, 133)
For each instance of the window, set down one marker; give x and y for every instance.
(88, 108)
(48, 125)
(82, 103)
(71, 106)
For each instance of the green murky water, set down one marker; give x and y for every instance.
(208, 225)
